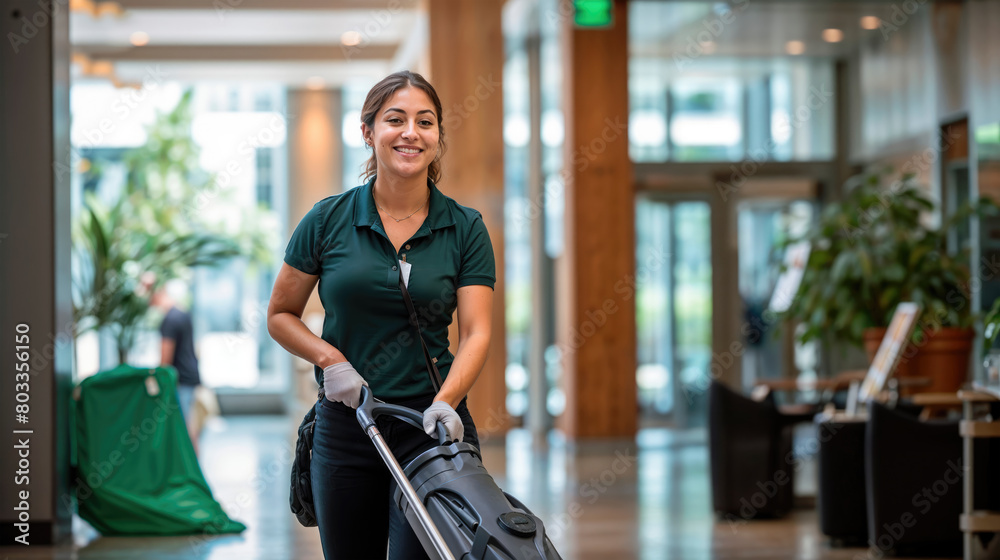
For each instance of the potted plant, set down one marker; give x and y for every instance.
(151, 228)
(875, 249)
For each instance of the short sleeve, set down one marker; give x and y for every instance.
(302, 252)
(478, 261)
(169, 327)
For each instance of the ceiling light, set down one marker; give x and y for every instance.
(833, 35)
(81, 60)
(315, 82)
(102, 68)
(96, 9)
(870, 22)
(109, 9)
(708, 47)
(139, 38)
(83, 6)
(350, 38)
(795, 47)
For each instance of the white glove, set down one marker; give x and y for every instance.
(440, 411)
(342, 383)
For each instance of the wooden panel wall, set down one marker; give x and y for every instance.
(466, 67)
(315, 151)
(596, 322)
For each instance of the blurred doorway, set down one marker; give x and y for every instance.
(673, 308)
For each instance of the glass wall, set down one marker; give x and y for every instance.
(552, 130)
(229, 301)
(688, 105)
(673, 308)
(525, 209)
(730, 110)
(517, 223)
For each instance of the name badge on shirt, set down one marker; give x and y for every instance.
(405, 267)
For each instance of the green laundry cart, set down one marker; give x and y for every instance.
(137, 473)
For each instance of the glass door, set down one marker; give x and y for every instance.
(673, 309)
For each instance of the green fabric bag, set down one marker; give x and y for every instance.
(137, 471)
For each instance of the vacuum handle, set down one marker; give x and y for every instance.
(371, 408)
(443, 438)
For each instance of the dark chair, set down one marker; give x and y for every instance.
(914, 476)
(841, 497)
(750, 451)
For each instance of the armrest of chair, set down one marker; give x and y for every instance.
(978, 396)
(936, 404)
(937, 399)
(838, 382)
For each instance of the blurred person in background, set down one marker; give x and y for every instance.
(177, 347)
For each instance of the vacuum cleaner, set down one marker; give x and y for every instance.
(449, 499)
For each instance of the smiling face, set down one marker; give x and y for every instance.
(404, 134)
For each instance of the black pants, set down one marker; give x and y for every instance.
(352, 487)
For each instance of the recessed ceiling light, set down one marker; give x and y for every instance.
(350, 38)
(315, 82)
(139, 38)
(833, 35)
(108, 9)
(102, 68)
(870, 22)
(708, 47)
(81, 59)
(795, 47)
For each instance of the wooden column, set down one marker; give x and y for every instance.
(596, 279)
(466, 66)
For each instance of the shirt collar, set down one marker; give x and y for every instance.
(366, 214)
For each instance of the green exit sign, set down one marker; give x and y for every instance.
(593, 13)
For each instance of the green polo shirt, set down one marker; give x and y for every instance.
(342, 241)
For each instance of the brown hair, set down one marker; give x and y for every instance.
(380, 94)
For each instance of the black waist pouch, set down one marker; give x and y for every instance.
(300, 498)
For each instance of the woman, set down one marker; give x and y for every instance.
(356, 245)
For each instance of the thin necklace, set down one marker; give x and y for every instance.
(400, 219)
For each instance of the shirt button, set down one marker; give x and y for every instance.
(394, 267)
(407, 247)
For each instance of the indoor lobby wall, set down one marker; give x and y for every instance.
(984, 70)
(897, 116)
(939, 66)
(918, 75)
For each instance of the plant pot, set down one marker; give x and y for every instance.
(943, 357)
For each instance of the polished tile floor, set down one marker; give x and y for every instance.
(647, 499)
